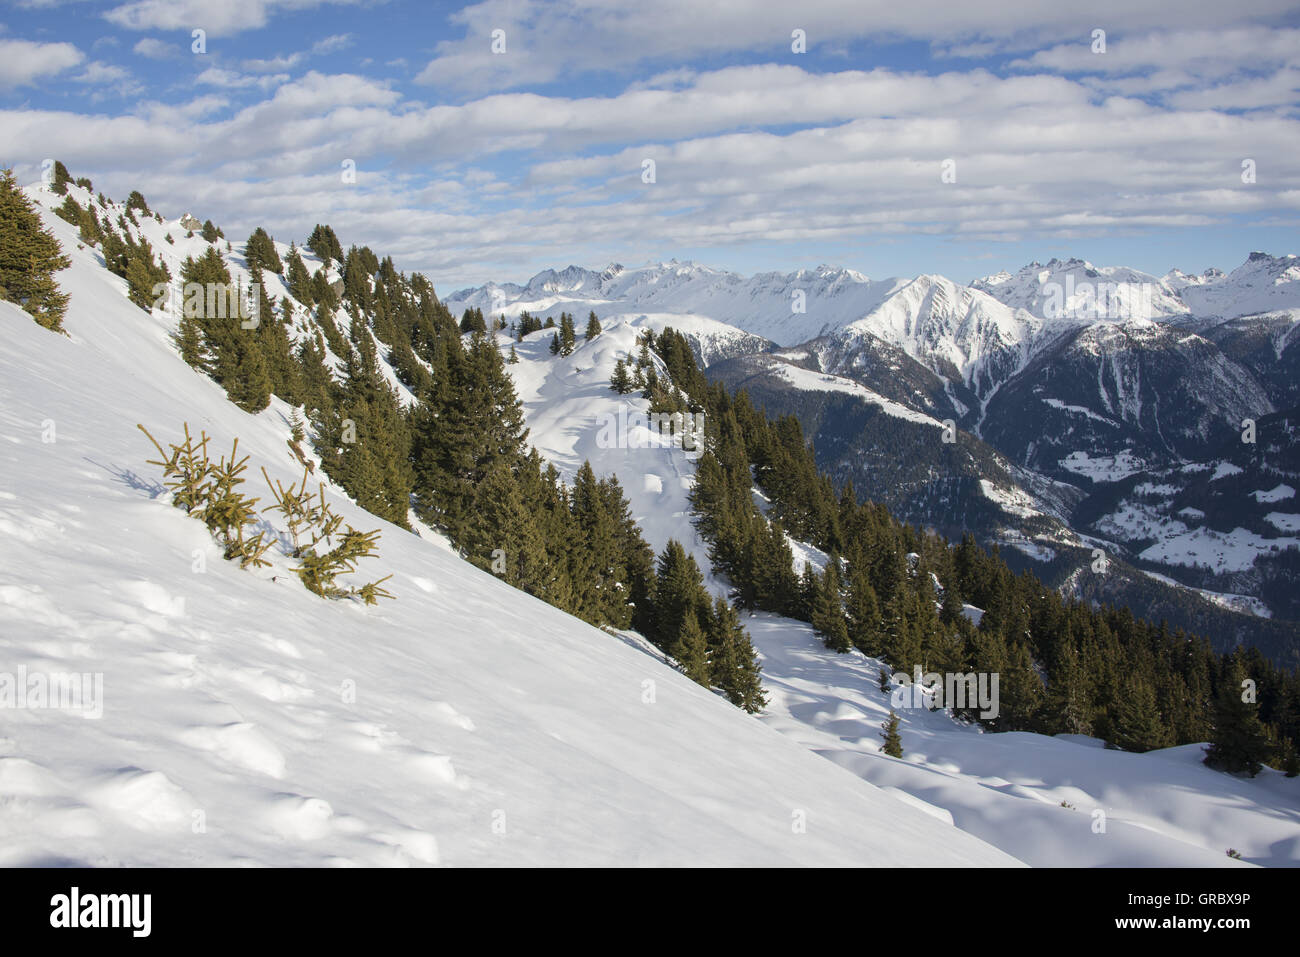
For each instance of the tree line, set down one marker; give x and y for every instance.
(909, 598)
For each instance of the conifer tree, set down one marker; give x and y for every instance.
(679, 591)
(893, 740)
(1238, 741)
(505, 535)
(232, 352)
(70, 211)
(733, 662)
(863, 612)
(1135, 721)
(596, 566)
(514, 356)
(473, 321)
(827, 611)
(136, 201)
(1067, 705)
(691, 650)
(1021, 692)
(316, 383)
(29, 258)
(593, 326)
(568, 337)
(260, 251)
(619, 381)
(469, 420)
(555, 344)
(325, 244)
(62, 178)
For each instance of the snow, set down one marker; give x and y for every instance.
(1013, 501)
(1276, 494)
(247, 721)
(1163, 808)
(809, 381)
(1103, 468)
(1075, 288)
(1286, 521)
(1243, 604)
(1080, 410)
(762, 305)
(1261, 284)
(1233, 551)
(1151, 488)
(1223, 470)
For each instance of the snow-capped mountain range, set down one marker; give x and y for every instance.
(1062, 379)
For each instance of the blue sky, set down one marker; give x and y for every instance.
(928, 136)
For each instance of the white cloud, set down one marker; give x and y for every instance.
(750, 154)
(218, 19)
(155, 49)
(230, 80)
(330, 44)
(22, 62)
(547, 39)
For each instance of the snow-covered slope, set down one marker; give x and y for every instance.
(786, 308)
(1261, 284)
(1051, 801)
(1162, 808)
(246, 721)
(1077, 289)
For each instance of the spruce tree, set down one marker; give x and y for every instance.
(691, 650)
(1238, 741)
(863, 612)
(325, 244)
(733, 662)
(29, 258)
(827, 611)
(679, 591)
(232, 350)
(893, 740)
(62, 178)
(469, 420)
(593, 326)
(568, 337)
(299, 280)
(619, 381)
(555, 344)
(260, 251)
(136, 201)
(505, 538)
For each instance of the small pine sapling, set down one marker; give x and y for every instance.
(229, 511)
(187, 472)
